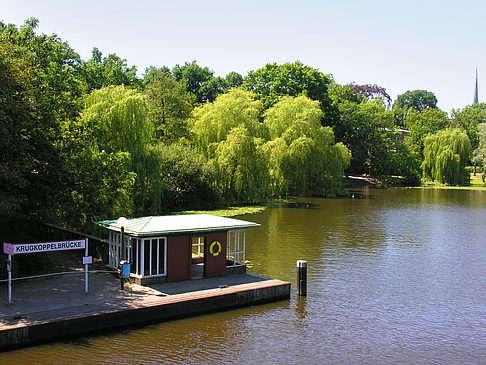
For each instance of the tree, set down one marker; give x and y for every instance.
(115, 120)
(372, 92)
(199, 81)
(366, 129)
(40, 88)
(212, 122)
(425, 122)
(18, 155)
(189, 182)
(469, 118)
(412, 100)
(273, 81)
(479, 154)
(234, 79)
(101, 71)
(242, 171)
(169, 106)
(446, 154)
(303, 157)
(228, 133)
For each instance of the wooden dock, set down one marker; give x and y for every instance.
(46, 315)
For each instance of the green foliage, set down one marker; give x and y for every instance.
(234, 79)
(169, 106)
(212, 122)
(40, 87)
(199, 81)
(339, 94)
(99, 72)
(17, 157)
(187, 178)
(273, 81)
(446, 155)
(417, 100)
(117, 119)
(469, 118)
(366, 129)
(479, 154)
(425, 122)
(114, 120)
(303, 157)
(242, 171)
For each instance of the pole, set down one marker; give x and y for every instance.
(86, 269)
(9, 269)
(302, 277)
(121, 258)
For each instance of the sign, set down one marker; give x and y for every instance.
(125, 269)
(7, 248)
(23, 248)
(87, 260)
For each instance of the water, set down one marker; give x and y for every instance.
(395, 276)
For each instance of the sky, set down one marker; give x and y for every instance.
(432, 45)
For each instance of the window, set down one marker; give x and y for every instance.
(235, 254)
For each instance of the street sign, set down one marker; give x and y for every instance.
(23, 248)
(87, 260)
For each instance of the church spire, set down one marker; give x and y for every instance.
(475, 99)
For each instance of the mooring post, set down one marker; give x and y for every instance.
(302, 277)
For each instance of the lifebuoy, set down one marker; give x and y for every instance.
(215, 248)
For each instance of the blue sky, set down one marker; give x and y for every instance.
(400, 45)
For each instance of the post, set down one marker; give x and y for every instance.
(122, 279)
(9, 270)
(302, 277)
(86, 268)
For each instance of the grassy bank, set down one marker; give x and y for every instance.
(476, 183)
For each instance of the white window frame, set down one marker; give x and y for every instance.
(138, 267)
(235, 250)
(200, 246)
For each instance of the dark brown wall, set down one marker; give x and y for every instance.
(215, 265)
(178, 258)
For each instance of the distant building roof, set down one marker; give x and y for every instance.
(174, 224)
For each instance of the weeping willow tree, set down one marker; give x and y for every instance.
(446, 155)
(114, 123)
(242, 171)
(212, 122)
(228, 132)
(304, 160)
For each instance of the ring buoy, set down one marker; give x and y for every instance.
(215, 248)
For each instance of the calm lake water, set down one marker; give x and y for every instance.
(395, 276)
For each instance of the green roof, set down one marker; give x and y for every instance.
(175, 224)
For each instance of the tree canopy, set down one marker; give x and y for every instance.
(212, 122)
(199, 81)
(446, 154)
(417, 100)
(273, 81)
(469, 118)
(101, 71)
(304, 160)
(169, 106)
(425, 122)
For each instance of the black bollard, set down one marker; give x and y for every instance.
(302, 277)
